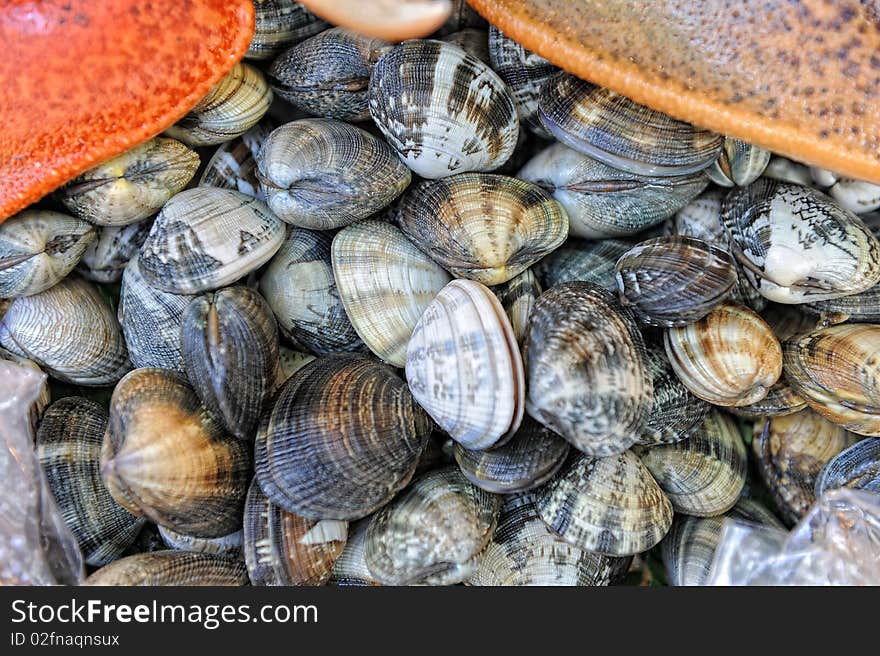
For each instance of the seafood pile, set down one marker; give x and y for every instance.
(437, 312)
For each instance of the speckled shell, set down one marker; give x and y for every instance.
(621, 133)
(280, 23)
(730, 357)
(790, 452)
(739, 164)
(225, 545)
(233, 164)
(106, 258)
(323, 174)
(69, 449)
(523, 551)
(518, 296)
(588, 261)
(443, 110)
(132, 186)
(232, 107)
(856, 195)
(171, 568)
(473, 41)
(432, 531)
(350, 567)
(289, 362)
(835, 370)
(609, 505)
(385, 283)
(38, 248)
(68, 330)
(206, 238)
(464, 367)
(165, 458)
(603, 201)
(857, 467)
(484, 227)
(588, 379)
(343, 438)
(797, 245)
(281, 548)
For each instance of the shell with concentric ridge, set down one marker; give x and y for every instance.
(350, 567)
(739, 164)
(588, 261)
(518, 296)
(106, 258)
(171, 568)
(857, 467)
(278, 24)
(234, 166)
(473, 41)
(225, 545)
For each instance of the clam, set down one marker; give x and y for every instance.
(674, 281)
(38, 248)
(786, 170)
(613, 129)
(279, 23)
(225, 545)
(518, 296)
(739, 164)
(603, 201)
(823, 178)
(343, 438)
(234, 166)
(229, 343)
(323, 174)
(473, 41)
(464, 367)
(587, 261)
(432, 532)
(350, 567)
(206, 238)
(781, 400)
(106, 258)
(864, 306)
(166, 459)
(69, 449)
(68, 330)
(588, 378)
(232, 107)
(701, 218)
(299, 286)
(443, 110)
(523, 551)
(171, 568)
(289, 362)
(796, 245)
(609, 505)
(790, 452)
(730, 357)
(385, 283)
(856, 467)
(132, 186)
(856, 195)
(484, 227)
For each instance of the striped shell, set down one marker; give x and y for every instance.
(587, 261)
(234, 165)
(781, 400)
(739, 164)
(225, 545)
(106, 258)
(857, 467)
(518, 296)
(350, 567)
(279, 23)
(171, 568)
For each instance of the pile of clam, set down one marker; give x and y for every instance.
(437, 312)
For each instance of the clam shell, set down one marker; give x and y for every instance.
(518, 296)
(485, 227)
(350, 567)
(165, 458)
(234, 166)
(588, 378)
(464, 368)
(739, 164)
(106, 258)
(587, 261)
(473, 41)
(786, 170)
(289, 362)
(279, 23)
(609, 505)
(823, 178)
(206, 238)
(856, 467)
(443, 110)
(38, 248)
(781, 400)
(226, 545)
(856, 195)
(864, 306)
(432, 531)
(385, 283)
(171, 568)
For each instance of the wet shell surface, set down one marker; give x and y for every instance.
(171, 568)
(464, 367)
(432, 531)
(206, 238)
(739, 164)
(350, 567)
(279, 23)
(343, 438)
(38, 248)
(856, 195)
(701, 218)
(781, 400)
(587, 261)
(166, 459)
(106, 258)
(225, 545)
(857, 467)
(473, 41)
(730, 357)
(443, 110)
(385, 283)
(609, 505)
(234, 166)
(483, 227)
(588, 379)
(518, 296)
(864, 306)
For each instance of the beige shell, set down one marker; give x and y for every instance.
(518, 297)
(105, 259)
(171, 568)
(225, 545)
(739, 164)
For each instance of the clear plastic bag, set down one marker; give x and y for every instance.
(36, 547)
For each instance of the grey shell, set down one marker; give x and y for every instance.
(106, 258)
(278, 24)
(856, 467)
(587, 261)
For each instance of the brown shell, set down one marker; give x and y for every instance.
(171, 568)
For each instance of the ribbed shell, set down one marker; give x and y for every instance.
(432, 531)
(797, 245)
(523, 551)
(69, 448)
(280, 23)
(781, 400)
(443, 110)
(206, 238)
(69, 330)
(790, 452)
(610, 505)
(730, 357)
(232, 107)
(473, 41)
(864, 306)
(385, 283)
(588, 261)
(484, 227)
(464, 367)
(281, 548)
(324, 174)
(603, 201)
(350, 567)
(344, 437)
(857, 467)
(165, 458)
(739, 164)
(225, 545)
(132, 186)
(38, 248)
(588, 378)
(106, 258)
(234, 166)
(675, 411)
(621, 133)
(518, 296)
(172, 568)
